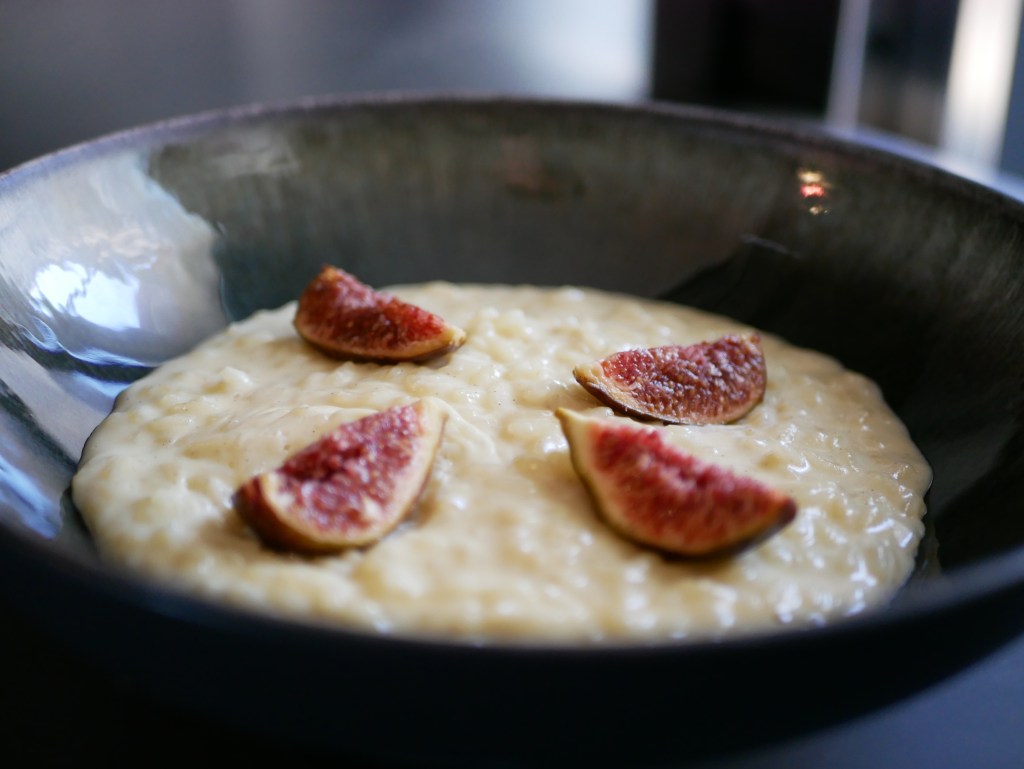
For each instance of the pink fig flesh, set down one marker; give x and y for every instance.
(657, 495)
(345, 318)
(705, 383)
(349, 488)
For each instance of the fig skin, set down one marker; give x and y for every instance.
(658, 496)
(340, 492)
(344, 318)
(713, 382)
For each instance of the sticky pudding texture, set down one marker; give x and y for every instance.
(505, 545)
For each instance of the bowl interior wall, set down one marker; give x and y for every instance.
(910, 276)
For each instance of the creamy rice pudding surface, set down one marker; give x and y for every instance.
(504, 543)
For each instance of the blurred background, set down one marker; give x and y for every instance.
(940, 74)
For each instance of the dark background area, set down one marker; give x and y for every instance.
(73, 70)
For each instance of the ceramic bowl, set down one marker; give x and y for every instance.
(120, 253)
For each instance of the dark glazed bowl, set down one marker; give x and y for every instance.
(121, 253)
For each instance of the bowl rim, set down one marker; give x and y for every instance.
(944, 594)
(940, 594)
(871, 147)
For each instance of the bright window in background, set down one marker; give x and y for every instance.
(593, 49)
(980, 78)
(943, 73)
(597, 47)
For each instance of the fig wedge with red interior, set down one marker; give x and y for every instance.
(660, 496)
(349, 488)
(345, 318)
(706, 383)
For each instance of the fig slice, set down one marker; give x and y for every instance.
(657, 495)
(699, 384)
(345, 318)
(349, 488)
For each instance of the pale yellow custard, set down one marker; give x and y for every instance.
(505, 544)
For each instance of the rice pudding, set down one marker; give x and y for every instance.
(504, 545)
